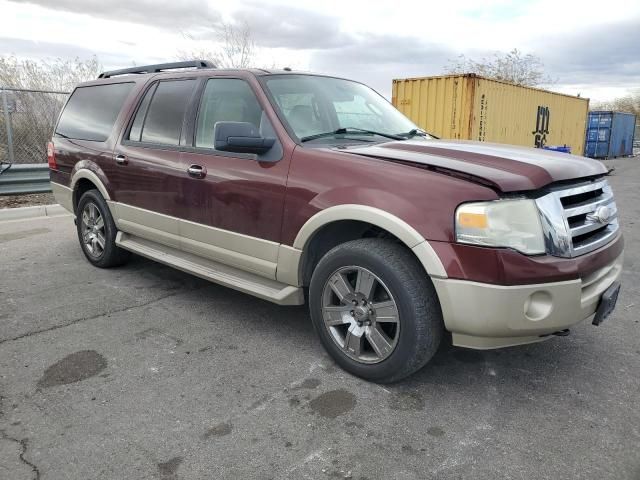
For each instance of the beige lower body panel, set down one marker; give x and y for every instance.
(216, 272)
(252, 254)
(238, 261)
(63, 195)
(289, 261)
(485, 316)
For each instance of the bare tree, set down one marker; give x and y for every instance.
(628, 103)
(32, 115)
(233, 47)
(59, 74)
(515, 67)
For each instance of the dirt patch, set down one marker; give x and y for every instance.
(308, 384)
(435, 431)
(219, 430)
(73, 368)
(333, 403)
(14, 201)
(169, 470)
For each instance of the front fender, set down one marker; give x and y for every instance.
(381, 219)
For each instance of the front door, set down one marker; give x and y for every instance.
(236, 206)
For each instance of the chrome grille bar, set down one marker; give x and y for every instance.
(588, 207)
(583, 225)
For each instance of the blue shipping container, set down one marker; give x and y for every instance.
(610, 134)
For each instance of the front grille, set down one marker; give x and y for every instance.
(579, 219)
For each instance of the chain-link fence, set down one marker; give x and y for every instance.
(27, 118)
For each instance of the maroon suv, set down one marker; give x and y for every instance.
(277, 182)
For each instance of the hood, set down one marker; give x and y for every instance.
(507, 168)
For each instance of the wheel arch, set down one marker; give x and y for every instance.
(83, 180)
(341, 223)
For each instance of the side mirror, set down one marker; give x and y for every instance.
(240, 137)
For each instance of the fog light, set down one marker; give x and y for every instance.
(538, 306)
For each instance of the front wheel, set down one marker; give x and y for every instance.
(375, 309)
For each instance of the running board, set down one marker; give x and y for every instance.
(231, 277)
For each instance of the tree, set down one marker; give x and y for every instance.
(514, 67)
(233, 47)
(628, 103)
(32, 115)
(59, 74)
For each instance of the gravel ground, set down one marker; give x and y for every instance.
(13, 201)
(144, 372)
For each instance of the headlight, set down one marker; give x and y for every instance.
(501, 223)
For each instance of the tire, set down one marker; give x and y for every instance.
(401, 288)
(97, 232)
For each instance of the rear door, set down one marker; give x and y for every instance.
(149, 178)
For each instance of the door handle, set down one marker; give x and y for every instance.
(121, 159)
(197, 171)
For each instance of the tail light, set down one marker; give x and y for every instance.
(51, 156)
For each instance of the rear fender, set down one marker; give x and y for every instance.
(92, 172)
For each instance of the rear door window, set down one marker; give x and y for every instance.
(91, 111)
(161, 113)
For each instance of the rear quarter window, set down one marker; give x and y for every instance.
(91, 111)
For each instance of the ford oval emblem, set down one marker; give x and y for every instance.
(602, 215)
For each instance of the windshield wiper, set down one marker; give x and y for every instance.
(346, 130)
(414, 132)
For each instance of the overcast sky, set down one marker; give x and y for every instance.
(591, 47)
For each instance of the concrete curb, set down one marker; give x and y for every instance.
(21, 213)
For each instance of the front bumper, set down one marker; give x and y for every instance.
(485, 316)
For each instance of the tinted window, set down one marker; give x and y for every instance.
(162, 121)
(136, 128)
(225, 100)
(91, 112)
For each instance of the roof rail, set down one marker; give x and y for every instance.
(159, 68)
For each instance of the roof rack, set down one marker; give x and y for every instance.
(160, 67)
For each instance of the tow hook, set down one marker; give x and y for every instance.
(559, 333)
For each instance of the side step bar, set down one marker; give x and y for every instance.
(231, 277)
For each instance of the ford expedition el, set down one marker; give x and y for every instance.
(297, 187)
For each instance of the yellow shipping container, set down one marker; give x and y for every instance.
(469, 107)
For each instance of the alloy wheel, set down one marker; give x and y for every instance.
(360, 314)
(93, 234)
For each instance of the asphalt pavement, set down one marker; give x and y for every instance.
(144, 372)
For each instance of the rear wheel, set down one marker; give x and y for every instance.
(375, 309)
(97, 231)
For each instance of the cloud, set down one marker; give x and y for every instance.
(602, 55)
(606, 53)
(48, 50)
(159, 13)
(377, 59)
(374, 44)
(279, 26)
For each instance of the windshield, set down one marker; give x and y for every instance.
(316, 108)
